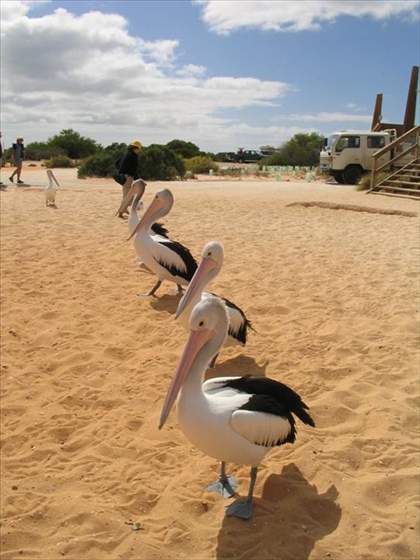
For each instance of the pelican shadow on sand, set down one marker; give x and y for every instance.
(289, 518)
(238, 366)
(167, 302)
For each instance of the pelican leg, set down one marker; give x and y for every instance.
(155, 288)
(213, 362)
(244, 510)
(225, 486)
(152, 291)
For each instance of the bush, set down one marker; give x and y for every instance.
(102, 164)
(42, 150)
(73, 144)
(183, 149)
(60, 161)
(200, 164)
(274, 159)
(364, 183)
(155, 163)
(159, 163)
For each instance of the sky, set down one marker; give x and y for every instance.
(223, 74)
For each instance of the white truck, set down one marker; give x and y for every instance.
(347, 155)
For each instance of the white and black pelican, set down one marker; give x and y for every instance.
(51, 189)
(157, 231)
(209, 267)
(233, 419)
(136, 193)
(167, 259)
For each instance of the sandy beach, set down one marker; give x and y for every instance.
(85, 365)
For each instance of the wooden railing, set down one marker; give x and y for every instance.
(412, 136)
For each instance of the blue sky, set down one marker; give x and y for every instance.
(222, 74)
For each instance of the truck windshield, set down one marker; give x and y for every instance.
(331, 141)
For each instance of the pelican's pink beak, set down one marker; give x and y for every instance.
(151, 210)
(198, 281)
(137, 187)
(196, 341)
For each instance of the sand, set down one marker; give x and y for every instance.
(86, 475)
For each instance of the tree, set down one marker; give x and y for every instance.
(155, 163)
(73, 144)
(302, 149)
(183, 149)
(42, 150)
(160, 163)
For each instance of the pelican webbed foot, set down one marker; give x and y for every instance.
(244, 509)
(241, 509)
(225, 486)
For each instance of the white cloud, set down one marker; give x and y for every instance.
(224, 16)
(324, 117)
(87, 72)
(190, 70)
(355, 107)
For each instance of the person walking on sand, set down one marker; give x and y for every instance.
(2, 185)
(18, 151)
(127, 173)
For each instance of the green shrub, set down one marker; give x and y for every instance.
(364, 183)
(155, 163)
(60, 161)
(102, 164)
(73, 144)
(200, 164)
(42, 150)
(183, 149)
(159, 163)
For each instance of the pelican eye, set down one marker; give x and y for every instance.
(201, 323)
(209, 254)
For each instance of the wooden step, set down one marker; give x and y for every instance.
(400, 183)
(400, 189)
(410, 170)
(403, 177)
(396, 194)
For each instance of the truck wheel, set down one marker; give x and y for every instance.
(352, 174)
(339, 178)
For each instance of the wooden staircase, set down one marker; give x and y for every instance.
(404, 181)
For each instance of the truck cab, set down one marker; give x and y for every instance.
(347, 155)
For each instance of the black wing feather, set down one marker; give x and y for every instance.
(240, 335)
(160, 229)
(268, 404)
(186, 256)
(284, 396)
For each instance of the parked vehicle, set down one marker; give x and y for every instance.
(347, 155)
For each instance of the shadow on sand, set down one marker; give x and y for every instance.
(289, 518)
(168, 303)
(237, 366)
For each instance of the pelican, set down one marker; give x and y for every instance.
(137, 191)
(157, 231)
(51, 189)
(208, 269)
(168, 260)
(233, 419)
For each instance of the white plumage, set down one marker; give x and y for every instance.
(233, 419)
(51, 189)
(167, 259)
(209, 267)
